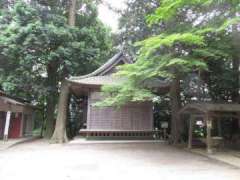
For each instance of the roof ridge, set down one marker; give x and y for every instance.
(107, 65)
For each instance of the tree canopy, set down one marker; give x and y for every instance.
(191, 34)
(193, 37)
(176, 41)
(39, 49)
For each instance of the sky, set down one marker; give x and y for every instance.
(109, 17)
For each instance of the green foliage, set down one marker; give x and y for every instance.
(152, 44)
(193, 33)
(38, 48)
(123, 94)
(170, 8)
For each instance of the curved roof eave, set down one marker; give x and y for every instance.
(105, 67)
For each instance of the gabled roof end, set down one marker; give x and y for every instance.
(108, 66)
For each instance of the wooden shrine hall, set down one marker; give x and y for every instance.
(134, 119)
(210, 113)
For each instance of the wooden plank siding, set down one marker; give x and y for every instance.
(133, 116)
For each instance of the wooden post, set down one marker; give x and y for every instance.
(238, 115)
(209, 140)
(22, 123)
(33, 117)
(7, 124)
(89, 111)
(164, 133)
(190, 132)
(219, 128)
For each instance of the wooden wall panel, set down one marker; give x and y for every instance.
(134, 116)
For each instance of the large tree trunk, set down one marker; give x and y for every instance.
(235, 93)
(50, 119)
(72, 13)
(175, 107)
(51, 100)
(60, 133)
(236, 63)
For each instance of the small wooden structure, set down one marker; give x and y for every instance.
(209, 112)
(16, 117)
(133, 119)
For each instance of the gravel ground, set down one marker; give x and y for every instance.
(39, 160)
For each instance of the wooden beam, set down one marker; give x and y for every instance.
(190, 132)
(209, 138)
(7, 124)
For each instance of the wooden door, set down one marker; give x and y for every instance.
(15, 126)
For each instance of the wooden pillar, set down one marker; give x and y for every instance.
(7, 124)
(209, 138)
(238, 114)
(190, 132)
(33, 117)
(219, 124)
(89, 111)
(164, 133)
(22, 123)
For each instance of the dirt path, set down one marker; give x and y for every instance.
(42, 161)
